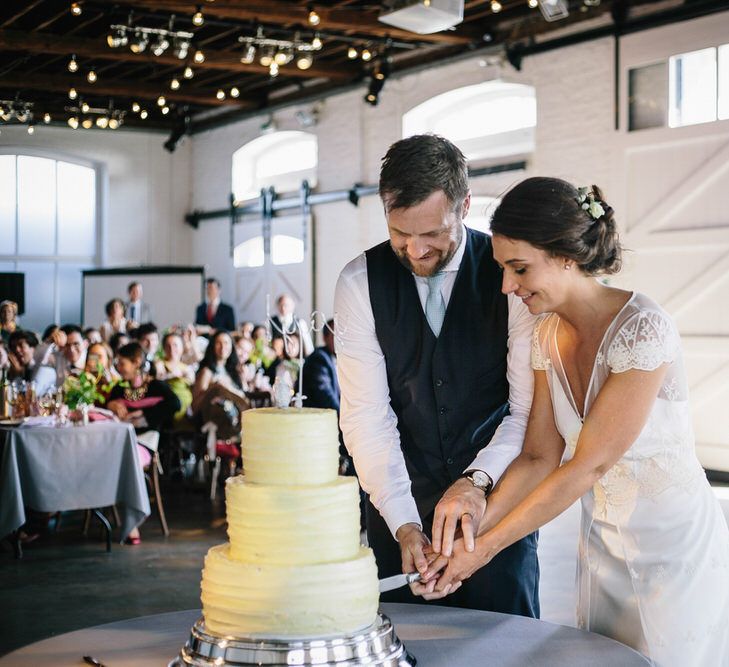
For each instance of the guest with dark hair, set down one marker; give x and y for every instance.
(213, 313)
(92, 335)
(144, 402)
(115, 321)
(610, 426)
(118, 340)
(218, 395)
(178, 375)
(147, 335)
(21, 355)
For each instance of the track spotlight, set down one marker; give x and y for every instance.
(139, 43)
(181, 48)
(179, 130)
(160, 45)
(249, 55)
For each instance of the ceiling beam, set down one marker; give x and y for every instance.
(332, 18)
(14, 40)
(22, 12)
(119, 88)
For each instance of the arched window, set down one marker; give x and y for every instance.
(281, 160)
(49, 232)
(486, 121)
(284, 250)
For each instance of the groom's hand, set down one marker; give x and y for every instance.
(416, 553)
(462, 504)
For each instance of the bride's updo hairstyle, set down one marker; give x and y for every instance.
(554, 216)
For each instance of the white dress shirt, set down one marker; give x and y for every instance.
(367, 420)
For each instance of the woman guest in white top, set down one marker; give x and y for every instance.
(610, 425)
(115, 321)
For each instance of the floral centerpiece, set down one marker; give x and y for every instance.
(84, 390)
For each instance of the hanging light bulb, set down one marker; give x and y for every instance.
(496, 6)
(305, 61)
(72, 64)
(46, 118)
(366, 55)
(316, 43)
(314, 18)
(73, 122)
(143, 114)
(113, 123)
(72, 94)
(85, 107)
(281, 58)
(75, 9)
(197, 18)
(220, 94)
(102, 122)
(87, 123)
(161, 101)
(188, 73)
(199, 57)
(175, 84)
(165, 110)
(234, 92)
(273, 70)
(91, 76)
(135, 107)
(31, 129)
(352, 53)
(533, 4)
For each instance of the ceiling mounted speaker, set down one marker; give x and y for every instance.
(554, 10)
(423, 16)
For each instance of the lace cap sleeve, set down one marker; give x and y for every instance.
(540, 353)
(647, 339)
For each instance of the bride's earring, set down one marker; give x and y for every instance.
(567, 267)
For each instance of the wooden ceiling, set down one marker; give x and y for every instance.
(38, 38)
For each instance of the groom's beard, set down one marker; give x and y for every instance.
(444, 256)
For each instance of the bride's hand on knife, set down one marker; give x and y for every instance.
(461, 565)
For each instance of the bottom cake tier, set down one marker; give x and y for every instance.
(259, 599)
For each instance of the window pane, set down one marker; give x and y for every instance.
(648, 96)
(692, 88)
(249, 253)
(287, 250)
(36, 205)
(7, 204)
(69, 288)
(76, 210)
(39, 294)
(724, 82)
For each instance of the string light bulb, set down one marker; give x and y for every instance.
(234, 92)
(175, 84)
(533, 4)
(85, 107)
(76, 9)
(161, 101)
(165, 110)
(304, 61)
(72, 94)
(72, 64)
(188, 73)
(46, 118)
(316, 43)
(366, 55)
(143, 114)
(273, 70)
(496, 6)
(91, 76)
(197, 18)
(102, 122)
(87, 123)
(31, 129)
(135, 107)
(352, 53)
(220, 94)
(113, 123)
(314, 18)
(199, 57)
(73, 122)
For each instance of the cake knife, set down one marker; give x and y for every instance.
(399, 580)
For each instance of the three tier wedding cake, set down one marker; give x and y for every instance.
(294, 566)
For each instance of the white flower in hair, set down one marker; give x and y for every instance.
(596, 210)
(587, 202)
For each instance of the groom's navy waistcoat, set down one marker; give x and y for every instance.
(449, 393)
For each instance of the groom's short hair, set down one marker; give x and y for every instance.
(416, 167)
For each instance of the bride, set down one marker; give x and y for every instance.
(609, 424)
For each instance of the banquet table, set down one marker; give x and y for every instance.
(435, 636)
(77, 467)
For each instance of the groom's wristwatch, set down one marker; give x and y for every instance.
(480, 480)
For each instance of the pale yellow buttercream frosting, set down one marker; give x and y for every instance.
(285, 446)
(294, 567)
(296, 524)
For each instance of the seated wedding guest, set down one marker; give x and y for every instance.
(194, 346)
(21, 352)
(244, 349)
(137, 311)
(8, 318)
(4, 361)
(148, 337)
(146, 403)
(177, 374)
(259, 332)
(286, 363)
(286, 322)
(65, 351)
(92, 335)
(118, 340)
(246, 328)
(320, 383)
(217, 395)
(116, 321)
(213, 313)
(99, 362)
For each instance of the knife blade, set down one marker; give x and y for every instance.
(399, 580)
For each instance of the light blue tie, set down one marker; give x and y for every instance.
(435, 305)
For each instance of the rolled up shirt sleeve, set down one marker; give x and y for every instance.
(507, 441)
(368, 423)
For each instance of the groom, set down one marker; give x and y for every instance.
(433, 364)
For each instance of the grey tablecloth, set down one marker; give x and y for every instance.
(436, 636)
(79, 467)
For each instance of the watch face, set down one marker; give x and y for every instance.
(481, 479)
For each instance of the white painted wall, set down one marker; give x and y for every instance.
(147, 194)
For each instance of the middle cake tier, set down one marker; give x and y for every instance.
(291, 525)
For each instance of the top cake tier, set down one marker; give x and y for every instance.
(285, 446)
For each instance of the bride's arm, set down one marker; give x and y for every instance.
(612, 426)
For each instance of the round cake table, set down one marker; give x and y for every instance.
(435, 636)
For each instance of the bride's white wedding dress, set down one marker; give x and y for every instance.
(653, 559)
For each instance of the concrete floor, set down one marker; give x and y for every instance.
(66, 582)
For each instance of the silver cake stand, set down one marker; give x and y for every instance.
(376, 645)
